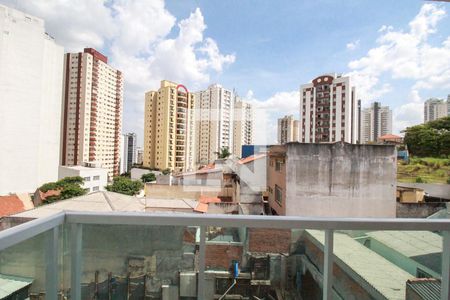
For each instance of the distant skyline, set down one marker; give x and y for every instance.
(398, 52)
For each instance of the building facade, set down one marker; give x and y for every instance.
(214, 111)
(332, 180)
(92, 114)
(328, 110)
(169, 128)
(287, 130)
(128, 151)
(376, 121)
(243, 126)
(31, 76)
(95, 179)
(435, 109)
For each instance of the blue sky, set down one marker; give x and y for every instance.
(397, 52)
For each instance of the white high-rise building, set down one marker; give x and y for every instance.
(287, 130)
(31, 76)
(214, 122)
(435, 109)
(128, 152)
(92, 114)
(376, 121)
(328, 110)
(243, 126)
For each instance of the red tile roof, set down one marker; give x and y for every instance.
(251, 158)
(201, 207)
(49, 193)
(10, 205)
(206, 199)
(389, 136)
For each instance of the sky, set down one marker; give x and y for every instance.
(396, 52)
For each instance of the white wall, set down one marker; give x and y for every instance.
(95, 179)
(31, 70)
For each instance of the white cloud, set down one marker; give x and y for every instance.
(137, 36)
(405, 55)
(353, 45)
(268, 111)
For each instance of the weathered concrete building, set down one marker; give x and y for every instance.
(332, 180)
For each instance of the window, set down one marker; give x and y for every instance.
(96, 177)
(278, 164)
(87, 178)
(278, 194)
(95, 188)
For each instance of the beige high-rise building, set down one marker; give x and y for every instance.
(214, 109)
(328, 110)
(92, 111)
(169, 128)
(243, 126)
(435, 109)
(376, 121)
(287, 130)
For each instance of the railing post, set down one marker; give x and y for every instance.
(76, 235)
(201, 264)
(445, 282)
(328, 266)
(51, 260)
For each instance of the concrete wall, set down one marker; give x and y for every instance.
(418, 210)
(340, 180)
(277, 178)
(179, 191)
(137, 173)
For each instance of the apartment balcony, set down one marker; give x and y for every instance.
(137, 255)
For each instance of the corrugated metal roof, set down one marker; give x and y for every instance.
(376, 271)
(425, 288)
(11, 284)
(409, 243)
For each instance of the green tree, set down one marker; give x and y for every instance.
(148, 177)
(124, 185)
(69, 187)
(223, 153)
(166, 171)
(431, 139)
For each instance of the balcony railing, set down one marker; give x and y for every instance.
(71, 243)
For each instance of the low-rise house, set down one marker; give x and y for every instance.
(95, 179)
(14, 203)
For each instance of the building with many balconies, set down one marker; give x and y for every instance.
(328, 110)
(169, 128)
(92, 111)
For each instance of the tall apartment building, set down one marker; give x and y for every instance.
(169, 128)
(243, 125)
(214, 111)
(92, 115)
(435, 109)
(376, 121)
(31, 72)
(288, 130)
(328, 110)
(128, 151)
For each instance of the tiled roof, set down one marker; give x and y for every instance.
(426, 288)
(201, 207)
(251, 158)
(49, 193)
(389, 136)
(10, 205)
(206, 199)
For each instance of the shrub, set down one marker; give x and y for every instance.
(124, 185)
(419, 180)
(149, 177)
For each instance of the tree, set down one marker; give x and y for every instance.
(166, 171)
(223, 153)
(148, 177)
(430, 139)
(126, 174)
(69, 187)
(124, 185)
